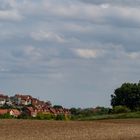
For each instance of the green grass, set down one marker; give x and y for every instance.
(111, 116)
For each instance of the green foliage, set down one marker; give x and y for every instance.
(5, 106)
(49, 117)
(61, 117)
(74, 111)
(57, 106)
(6, 116)
(120, 109)
(127, 95)
(41, 116)
(79, 113)
(24, 116)
(112, 116)
(101, 110)
(29, 105)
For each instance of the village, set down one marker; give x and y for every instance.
(26, 105)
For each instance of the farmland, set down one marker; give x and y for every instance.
(70, 130)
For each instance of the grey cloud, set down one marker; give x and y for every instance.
(10, 15)
(73, 46)
(9, 11)
(130, 3)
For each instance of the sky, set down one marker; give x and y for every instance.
(71, 52)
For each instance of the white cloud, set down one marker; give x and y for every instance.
(30, 50)
(124, 3)
(10, 15)
(47, 36)
(134, 55)
(76, 27)
(86, 53)
(105, 5)
(33, 54)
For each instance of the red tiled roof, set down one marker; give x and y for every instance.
(15, 112)
(23, 96)
(3, 96)
(30, 109)
(52, 110)
(3, 111)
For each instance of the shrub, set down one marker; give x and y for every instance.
(120, 109)
(41, 116)
(60, 117)
(6, 116)
(48, 116)
(24, 116)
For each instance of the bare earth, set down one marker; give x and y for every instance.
(69, 130)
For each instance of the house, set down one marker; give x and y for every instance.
(19, 99)
(2, 102)
(3, 99)
(3, 111)
(45, 110)
(14, 112)
(34, 101)
(9, 103)
(48, 104)
(67, 112)
(53, 111)
(30, 111)
(30, 106)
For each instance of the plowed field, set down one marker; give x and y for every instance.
(70, 130)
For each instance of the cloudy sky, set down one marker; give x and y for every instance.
(71, 52)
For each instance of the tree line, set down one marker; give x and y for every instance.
(125, 99)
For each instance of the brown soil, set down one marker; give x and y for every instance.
(69, 130)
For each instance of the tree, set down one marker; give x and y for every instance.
(57, 106)
(120, 109)
(75, 111)
(127, 95)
